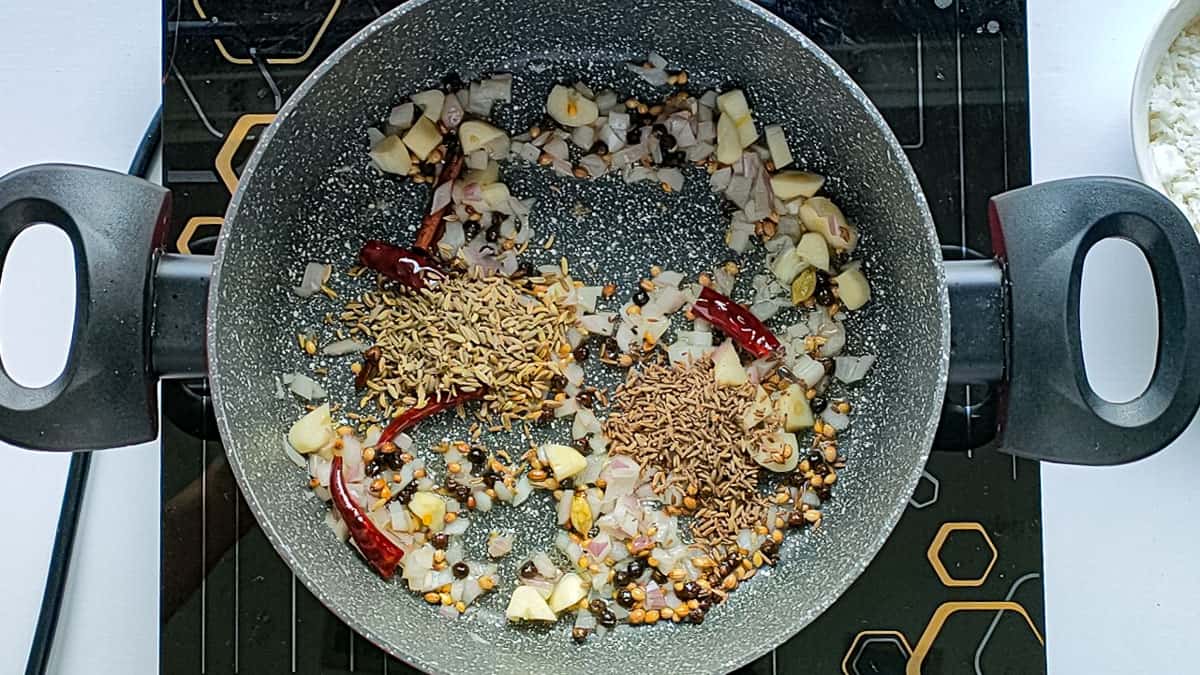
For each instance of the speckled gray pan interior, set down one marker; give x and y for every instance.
(308, 194)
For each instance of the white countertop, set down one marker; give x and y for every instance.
(1120, 544)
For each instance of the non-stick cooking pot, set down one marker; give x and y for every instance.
(308, 194)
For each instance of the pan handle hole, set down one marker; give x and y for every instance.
(37, 305)
(1118, 319)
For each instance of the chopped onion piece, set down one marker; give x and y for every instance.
(700, 151)
(606, 100)
(563, 167)
(529, 152)
(569, 407)
(600, 323)
(441, 196)
(452, 112)
(343, 347)
(315, 274)
(498, 87)
(304, 386)
(291, 453)
(478, 160)
(499, 545)
(655, 76)
(807, 369)
(720, 180)
(557, 148)
(594, 164)
(835, 419)
(765, 309)
(636, 173)
(672, 177)
(851, 369)
(401, 117)
(669, 278)
(583, 137)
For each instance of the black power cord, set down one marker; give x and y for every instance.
(77, 474)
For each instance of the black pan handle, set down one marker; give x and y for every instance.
(1041, 235)
(105, 396)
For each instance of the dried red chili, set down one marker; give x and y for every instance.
(410, 268)
(409, 418)
(380, 552)
(738, 323)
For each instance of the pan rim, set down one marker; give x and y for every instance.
(797, 620)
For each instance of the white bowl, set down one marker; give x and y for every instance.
(1177, 16)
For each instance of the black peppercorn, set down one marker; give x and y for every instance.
(374, 467)
(625, 598)
(706, 603)
(581, 353)
(599, 148)
(607, 619)
(460, 570)
(441, 540)
(667, 143)
(452, 81)
(585, 399)
(795, 519)
(818, 404)
(558, 382)
(583, 446)
(690, 591)
(470, 229)
(640, 297)
(620, 578)
(633, 136)
(696, 616)
(492, 235)
(824, 296)
(597, 606)
(567, 484)
(769, 548)
(815, 459)
(579, 634)
(394, 461)
(476, 455)
(611, 347)
(659, 130)
(405, 495)
(528, 570)
(636, 568)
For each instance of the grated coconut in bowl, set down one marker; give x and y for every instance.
(1175, 121)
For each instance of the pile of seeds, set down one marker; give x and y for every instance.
(687, 432)
(505, 335)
